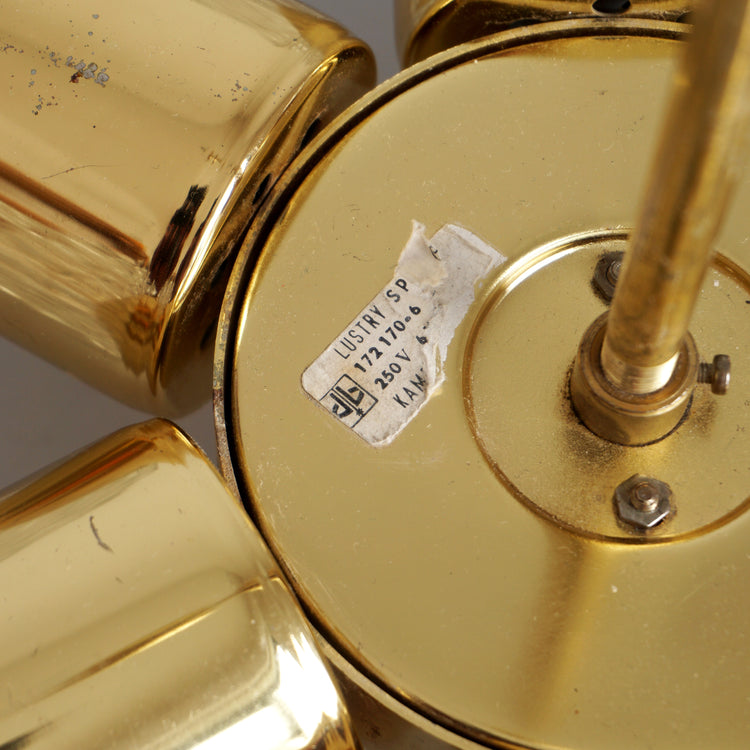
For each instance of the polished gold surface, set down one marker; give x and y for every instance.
(622, 416)
(698, 162)
(637, 366)
(559, 468)
(473, 574)
(141, 610)
(424, 27)
(134, 154)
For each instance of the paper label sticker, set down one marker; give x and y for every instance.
(386, 364)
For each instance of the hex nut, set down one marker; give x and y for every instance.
(629, 496)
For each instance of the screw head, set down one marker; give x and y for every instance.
(722, 373)
(717, 374)
(644, 497)
(606, 274)
(613, 271)
(643, 502)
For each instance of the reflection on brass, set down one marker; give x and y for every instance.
(133, 158)
(170, 246)
(473, 575)
(31, 193)
(620, 415)
(141, 610)
(424, 27)
(561, 469)
(697, 164)
(635, 373)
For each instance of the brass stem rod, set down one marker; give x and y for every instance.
(696, 166)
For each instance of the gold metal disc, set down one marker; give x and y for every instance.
(448, 567)
(141, 610)
(521, 345)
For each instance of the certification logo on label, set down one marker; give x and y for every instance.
(348, 401)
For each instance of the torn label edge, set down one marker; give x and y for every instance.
(388, 362)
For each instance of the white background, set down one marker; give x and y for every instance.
(46, 413)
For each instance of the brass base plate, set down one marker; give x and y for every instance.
(516, 377)
(418, 564)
